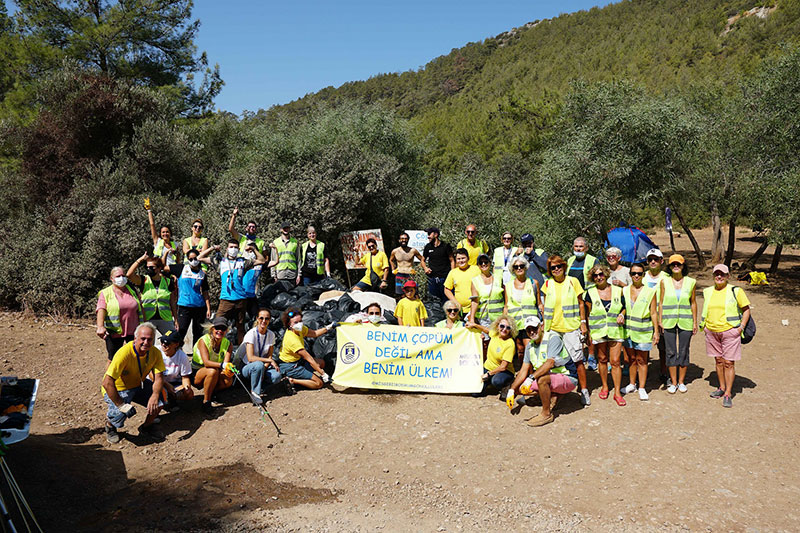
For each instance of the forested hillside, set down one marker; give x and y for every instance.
(500, 95)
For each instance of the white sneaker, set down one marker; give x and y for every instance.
(672, 389)
(643, 394)
(682, 388)
(629, 389)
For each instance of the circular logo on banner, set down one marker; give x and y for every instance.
(349, 353)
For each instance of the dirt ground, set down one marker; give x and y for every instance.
(357, 461)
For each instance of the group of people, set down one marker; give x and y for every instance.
(542, 314)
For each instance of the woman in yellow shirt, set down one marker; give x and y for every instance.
(498, 369)
(294, 360)
(726, 311)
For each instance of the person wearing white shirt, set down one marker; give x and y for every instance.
(254, 356)
(178, 370)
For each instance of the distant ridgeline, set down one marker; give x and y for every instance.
(493, 96)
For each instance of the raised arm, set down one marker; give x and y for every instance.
(131, 274)
(153, 231)
(232, 224)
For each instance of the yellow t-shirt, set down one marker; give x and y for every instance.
(715, 321)
(474, 251)
(500, 350)
(558, 323)
(379, 263)
(412, 312)
(292, 343)
(125, 371)
(461, 280)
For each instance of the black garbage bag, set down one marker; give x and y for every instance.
(328, 284)
(331, 305)
(275, 324)
(299, 291)
(390, 318)
(435, 313)
(304, 302)
(284, 300)
(348, 305)
(334, 316)
(314, 319)
(325, 346)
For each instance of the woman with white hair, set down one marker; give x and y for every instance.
(620, 275)
(452, 313)
(522, 298)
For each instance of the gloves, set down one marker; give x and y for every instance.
(526, 387)
(510, 398)
(228, 367)
(326, 378)
(485, 377)
(331, 326)
(127, 409)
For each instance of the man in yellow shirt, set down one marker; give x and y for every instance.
(410, 311)
(458, 284)
(124, 382)
(377, 265)
(472, 244)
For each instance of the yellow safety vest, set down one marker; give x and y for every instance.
(113, 324)
(499, 260)
(524, 308)
(602, 323)
(588, 262)
(217, 357)
(320, 256)
(674, 311)
(538, 355)
(243, 242)
(287, 254)
(491, 300)
(158, 249)
(638, 323)
(733, 315)
(156, 299)
(569, 305)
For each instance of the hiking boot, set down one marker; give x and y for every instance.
(151, 432)
(726, 401)
(112, 435)
(719, 393)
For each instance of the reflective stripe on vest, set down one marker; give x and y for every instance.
(602, 323)
(158, 249)
(588, 262)
(569, 305)
(287, 254)
(638, 322)
(674, 311)
(526, 307)
(733, 314)
(217, 357)
(320, 256)
(492, 301)
(499, 260)
(156, 299)
(538, 355)
(243, 242)
(112, 322)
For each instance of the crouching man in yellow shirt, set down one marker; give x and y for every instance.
(124, 382)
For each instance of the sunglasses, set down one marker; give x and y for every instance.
(371, 247)
(637, 274)
(373, 314)
(652, 259)
(220, 328)
(719, 274)
(557, 267)
(483, 263)
(599, 275)
(452, 311)
(262, 318)
(503, 327)
(506, 238)
(197, 226)
(673, 265)
(519, 267)
(469, 232)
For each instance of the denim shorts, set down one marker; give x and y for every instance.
(641, 346)
(298, 370)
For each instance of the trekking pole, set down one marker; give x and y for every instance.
(257, 401)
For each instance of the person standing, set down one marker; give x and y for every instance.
(578, 267)
(163, 245)
(410, 311)
(285, 255)
(726, 311)
(196, 239)
(314, 263)
(537, 260)
(402, 262)
(377, 265)
(250, 232)
(119, 312)
(250, 280)
(472, 244)
(194, 305)
(502, 259)
(159, 293)
(619, 275)
(678, 318)
(124, 382)
(488, 298)
(458, 284)
(652, 279)
(233, 296)
(521, 299)
(439, 262)
(641, 328)
(606, 315)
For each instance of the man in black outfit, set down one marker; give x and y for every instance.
(438, 263)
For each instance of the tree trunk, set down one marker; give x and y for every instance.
(750, 264)
(731, 237)
(776, 258)
(672, 241)
(700, 259)
(717, 248)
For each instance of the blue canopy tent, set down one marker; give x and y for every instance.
(633, 242)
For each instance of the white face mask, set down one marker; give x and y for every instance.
(120, 281)
(374, 318)
(580, 255)
(298, 326)
(249, 255)
(233, 252)
(194, 263)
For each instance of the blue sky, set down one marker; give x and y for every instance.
(275, 52)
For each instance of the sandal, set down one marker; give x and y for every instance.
(620, 401)
(603, 394)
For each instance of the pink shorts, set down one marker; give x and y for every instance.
(559, 384)
(725, 344)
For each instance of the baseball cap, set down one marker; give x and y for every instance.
(656, 252)
(532, 322)
(483, 257)
(410, 284)
(721, 268)
(526, 237)
(219, 322)
(676, 258)
(170, 337)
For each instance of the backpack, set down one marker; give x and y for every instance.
(749, 329)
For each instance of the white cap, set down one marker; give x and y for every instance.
(532, 322)
(656, 252)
